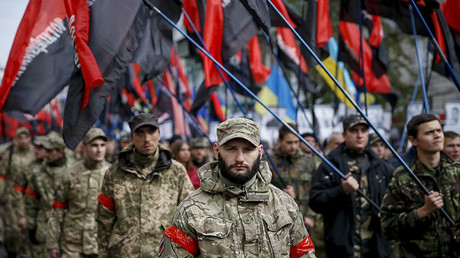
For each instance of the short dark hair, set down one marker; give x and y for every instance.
(284, 130)
(414, 123)
(451, 134)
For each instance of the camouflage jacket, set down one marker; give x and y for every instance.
(433, 235)
(295, 170)
(74, 207)
(220, 221)
(15, 176)
(40, 195)
(134, 208)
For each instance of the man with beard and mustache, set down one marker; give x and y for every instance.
(236, 211)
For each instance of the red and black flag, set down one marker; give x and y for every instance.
(40, 62)
(115, 32)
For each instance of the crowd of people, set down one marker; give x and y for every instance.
(230, 199)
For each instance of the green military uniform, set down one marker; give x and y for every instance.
(14, 171)
(432, 236)
(3, 149)
(74, 207)
(137, 201)
(295, 170)
(221, 221)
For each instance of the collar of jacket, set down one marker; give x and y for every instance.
(163, 163)
(213, 184)
(419, 169)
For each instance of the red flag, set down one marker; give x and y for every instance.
(78, 17)
(450, 9)
(323, 23)
(179, 125)
(259, 71)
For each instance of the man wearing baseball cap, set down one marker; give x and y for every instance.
(236, 212)
(139, 194)
(72, 226)
(351, 224)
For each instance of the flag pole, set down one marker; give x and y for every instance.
(263, 104)
(420, 68)
(417, 180)
(435, 43)
(361, 53)
(299, 104)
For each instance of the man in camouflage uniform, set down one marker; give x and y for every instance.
(296, 169)
(411, 216)
(72, 226)
(139, 194)
(40, 191)
(351, 224)
(39, 153)
(13, 167)
(237, 212)
(199, 149)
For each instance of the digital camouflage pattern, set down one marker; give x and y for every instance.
(295, 170)
(238, 128)
(39, 197)
(353, 120)
(199, 142)
(137, 201)
(261, 221)
(432, 236)
(72, 225)
(15, 178)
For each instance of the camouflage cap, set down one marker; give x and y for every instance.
(199, 142)
(353, 120)
(142, 119)
(92, 134)
(53, 141)
(39, 140)
(238, 128)
(125, 138)
(373, 138)
(22, 130)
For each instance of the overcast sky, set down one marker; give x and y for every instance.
(11, 12)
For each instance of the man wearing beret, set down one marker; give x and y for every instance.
(13, 168)
(139, 194)
(351, 224)
(236, 212)
(39, 193)
(72, 225)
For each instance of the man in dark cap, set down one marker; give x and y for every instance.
(139, 194)
(351, 224)
(236, 212)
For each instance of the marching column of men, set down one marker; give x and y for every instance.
(54, 203)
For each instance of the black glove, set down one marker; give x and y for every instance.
(32, 238)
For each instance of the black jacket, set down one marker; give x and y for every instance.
(328, 198)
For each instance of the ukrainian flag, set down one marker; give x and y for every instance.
(276, 93)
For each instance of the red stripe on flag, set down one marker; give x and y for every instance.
(106, 202)
(217, 106)
(191, 8)
(19, 189)
(3, 177)
(323, 23)
(451, 9)
(302, 248)
(376, 36)
(282, 8)
(259, 71)
(439, 36)
(78, 18)
(59, 205)
(180, 238)
(31, 193)
(213, 37)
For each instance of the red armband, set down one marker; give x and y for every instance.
(59, 205)
(31, 193)
(19, 189)
(106, 202)
(180, 238)
(3, 177)
(302, 248)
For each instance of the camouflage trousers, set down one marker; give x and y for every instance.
(71, 254)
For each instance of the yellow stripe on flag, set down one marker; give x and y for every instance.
(268, 98)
